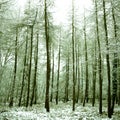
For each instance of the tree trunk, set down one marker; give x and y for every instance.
(94, 75)
(24, 70)
(35, 73)
(51, 96)
(15, 71)
(67, 79)
(86, 61)
(115, 64)
(114, 82)
(100, 60)
(78, 74)
(73, 52)
(119, 83)
(82, 75)
(107, 60)
(30, 67)
(57, 92)
(48, 59)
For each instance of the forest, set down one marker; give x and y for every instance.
(59, 59)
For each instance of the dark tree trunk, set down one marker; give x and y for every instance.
(82, 75)
(48, 59)
(24, 70)
(94, 74)
(107, 61)
(100, 60)
(114, 82)
(52, 82)
(78, 71)
(36, 96)
(73, 51)
(119, 83)
(35, 73)
(115, 64)
(67, 80)
(30, 67)
(86, 60)
(15, 71)
(58, 74)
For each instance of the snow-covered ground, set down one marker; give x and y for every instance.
(63, 111)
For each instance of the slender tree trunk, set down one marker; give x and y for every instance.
(78, 69)
(35, 73)
(24, 71)
(67, 79)
(94, 75)
(36, 96)
(107, 61)
(15, 71)
(86, 60)
(119, 83)
(100, 60)
(114, 82)
(115, 64)
(30, 67)
(58, 75)
(48, 59)
(82, 72)
(73, 51)
(51, 96)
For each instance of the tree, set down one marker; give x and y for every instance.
(73, 55)
(52, 82)
(15, 71)
(35, 71)
(107, 59)
(30, 58)
(78, 70)
(58, 73)
(48, 57)
(67, 78)
(94, 73)
(99, 58)
(30, 66)
(115, 63)
(24, 68)
(86, 62)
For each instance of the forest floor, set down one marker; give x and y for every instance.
(62, 111)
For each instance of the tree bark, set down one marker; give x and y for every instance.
(115, 64)
(35, 73)
(86, 61)
(52, 82)
(48, 58)
(107, 60)
(30, 67)
(24, 70)
(82, 76)
(78, 69)
(94, 74)
(119, 83)
(100, 59)
(73, 56)
(67, 79)
(58, 74)
(15, 71)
